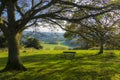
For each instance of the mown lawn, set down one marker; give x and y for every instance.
(51, 65)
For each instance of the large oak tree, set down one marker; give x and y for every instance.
(96, 30)
(17, 15)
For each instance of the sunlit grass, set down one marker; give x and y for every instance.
(51, 65)
(52, 46)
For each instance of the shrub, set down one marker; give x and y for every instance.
(33, 42)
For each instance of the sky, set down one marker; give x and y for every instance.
(48, 29)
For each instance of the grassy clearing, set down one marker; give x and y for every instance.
(51, 65)
(53, 46)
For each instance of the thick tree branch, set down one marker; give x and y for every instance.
(27, 26)
(31, 13)
(2, 7)
(81, 18)
(11, 14)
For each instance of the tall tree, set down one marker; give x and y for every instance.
(97, 30)
(17, 15)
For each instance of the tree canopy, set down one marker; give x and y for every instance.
(97, 30)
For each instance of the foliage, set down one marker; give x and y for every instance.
(33, 42)
(114, 42)
(3, 42)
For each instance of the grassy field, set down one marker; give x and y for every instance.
(53, 46)
(51, 65)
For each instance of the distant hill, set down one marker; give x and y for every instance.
(50, 38)
(45, 36)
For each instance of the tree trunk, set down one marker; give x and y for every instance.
(19, 37)
(14, 61)
(101, 48)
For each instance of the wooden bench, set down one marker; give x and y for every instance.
(69, 54)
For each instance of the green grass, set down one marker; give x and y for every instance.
(52, 46)
(51, 65)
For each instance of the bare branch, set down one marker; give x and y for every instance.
(19, 10)
(86, 6)
(75, 32)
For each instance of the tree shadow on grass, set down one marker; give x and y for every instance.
(56, 67)
(85, 66)
(68, 73)
(48, 60)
